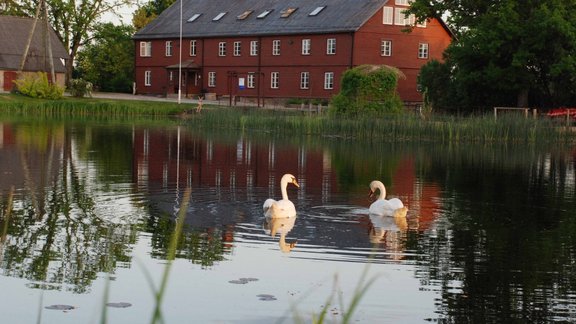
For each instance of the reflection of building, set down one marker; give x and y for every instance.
(241, 164)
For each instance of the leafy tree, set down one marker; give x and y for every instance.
(149, 11)
(107, 61)
(506, 53)
(73, 20)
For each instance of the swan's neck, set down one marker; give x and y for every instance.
(283, 186)
(382, 189)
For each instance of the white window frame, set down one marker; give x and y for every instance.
(423, 50)
(237, 48)
(276, 47)
(274, 80)
(254, 48)
(222, 49)
(306, 45)
(386, 47)
(169, 48)
(403, 2)
(250, 80)
(145, 49)
(219, 16)
(211, 79)
(328, 80)
(331, 46)
(400, 18)
(388, 15)
(421, 24)
(193, 48)
(305, 80)
(147, 78)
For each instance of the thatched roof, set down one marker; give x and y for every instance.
(14, 32)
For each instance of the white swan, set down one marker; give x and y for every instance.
(382, 206)
(284, 207)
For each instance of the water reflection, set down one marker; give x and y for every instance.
(280, 225)
(490, 230)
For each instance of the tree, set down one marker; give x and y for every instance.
(506, 52)
(149, 11)
(108, 60)
(73, 21)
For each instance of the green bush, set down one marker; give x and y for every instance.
(36, 85)
(80, 88)
(368, 89)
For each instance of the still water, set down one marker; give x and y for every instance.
(490, 234)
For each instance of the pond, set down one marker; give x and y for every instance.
(490, 235)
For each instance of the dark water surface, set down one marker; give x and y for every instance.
(490, 234)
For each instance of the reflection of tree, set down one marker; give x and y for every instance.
(56, 237)
(200, 246)
(506, 253)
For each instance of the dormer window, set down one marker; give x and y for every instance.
(194, 17)
(316, 11)
(287, 12)
(244, 15)
(219, 16)
(264, 14)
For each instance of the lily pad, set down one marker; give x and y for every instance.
(266, 297)
(119, 305)
(60, 307)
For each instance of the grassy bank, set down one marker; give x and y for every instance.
(397, 127)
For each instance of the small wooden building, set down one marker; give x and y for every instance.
(14, 33)
(281, 49)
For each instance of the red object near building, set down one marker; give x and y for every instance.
(281, 49)
(562, 112)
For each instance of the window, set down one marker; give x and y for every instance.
(193, 47)
(219, 16)
(244, 15)
(316, 11)
(306, 47)
(147, 78)
(401, 18)
(222, 49)
(329, 80)
(421, 24)
(304, 80)
(237, 47)
(423, 50)
(211, 79)
(331, 46)
(274, 78)
(145, 48)
(276, 47)
(403, 2)
(287, 12)
(264, 14)
(253, 48)
(193, 17)
(250, 81)
(386, 48)
(168, 48)
(388, 16)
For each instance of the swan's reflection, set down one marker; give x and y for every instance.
(282, 225)
(388, 231)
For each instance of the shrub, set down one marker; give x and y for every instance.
(80, 88)
(368, 89)
(36, 85)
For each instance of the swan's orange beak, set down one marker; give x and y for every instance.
(294, 182)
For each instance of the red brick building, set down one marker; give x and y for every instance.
(281, 49)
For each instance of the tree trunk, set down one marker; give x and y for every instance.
(522, 100)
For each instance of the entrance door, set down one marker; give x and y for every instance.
(194, 84)
(9, 77)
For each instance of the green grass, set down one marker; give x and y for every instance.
(406, 127)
